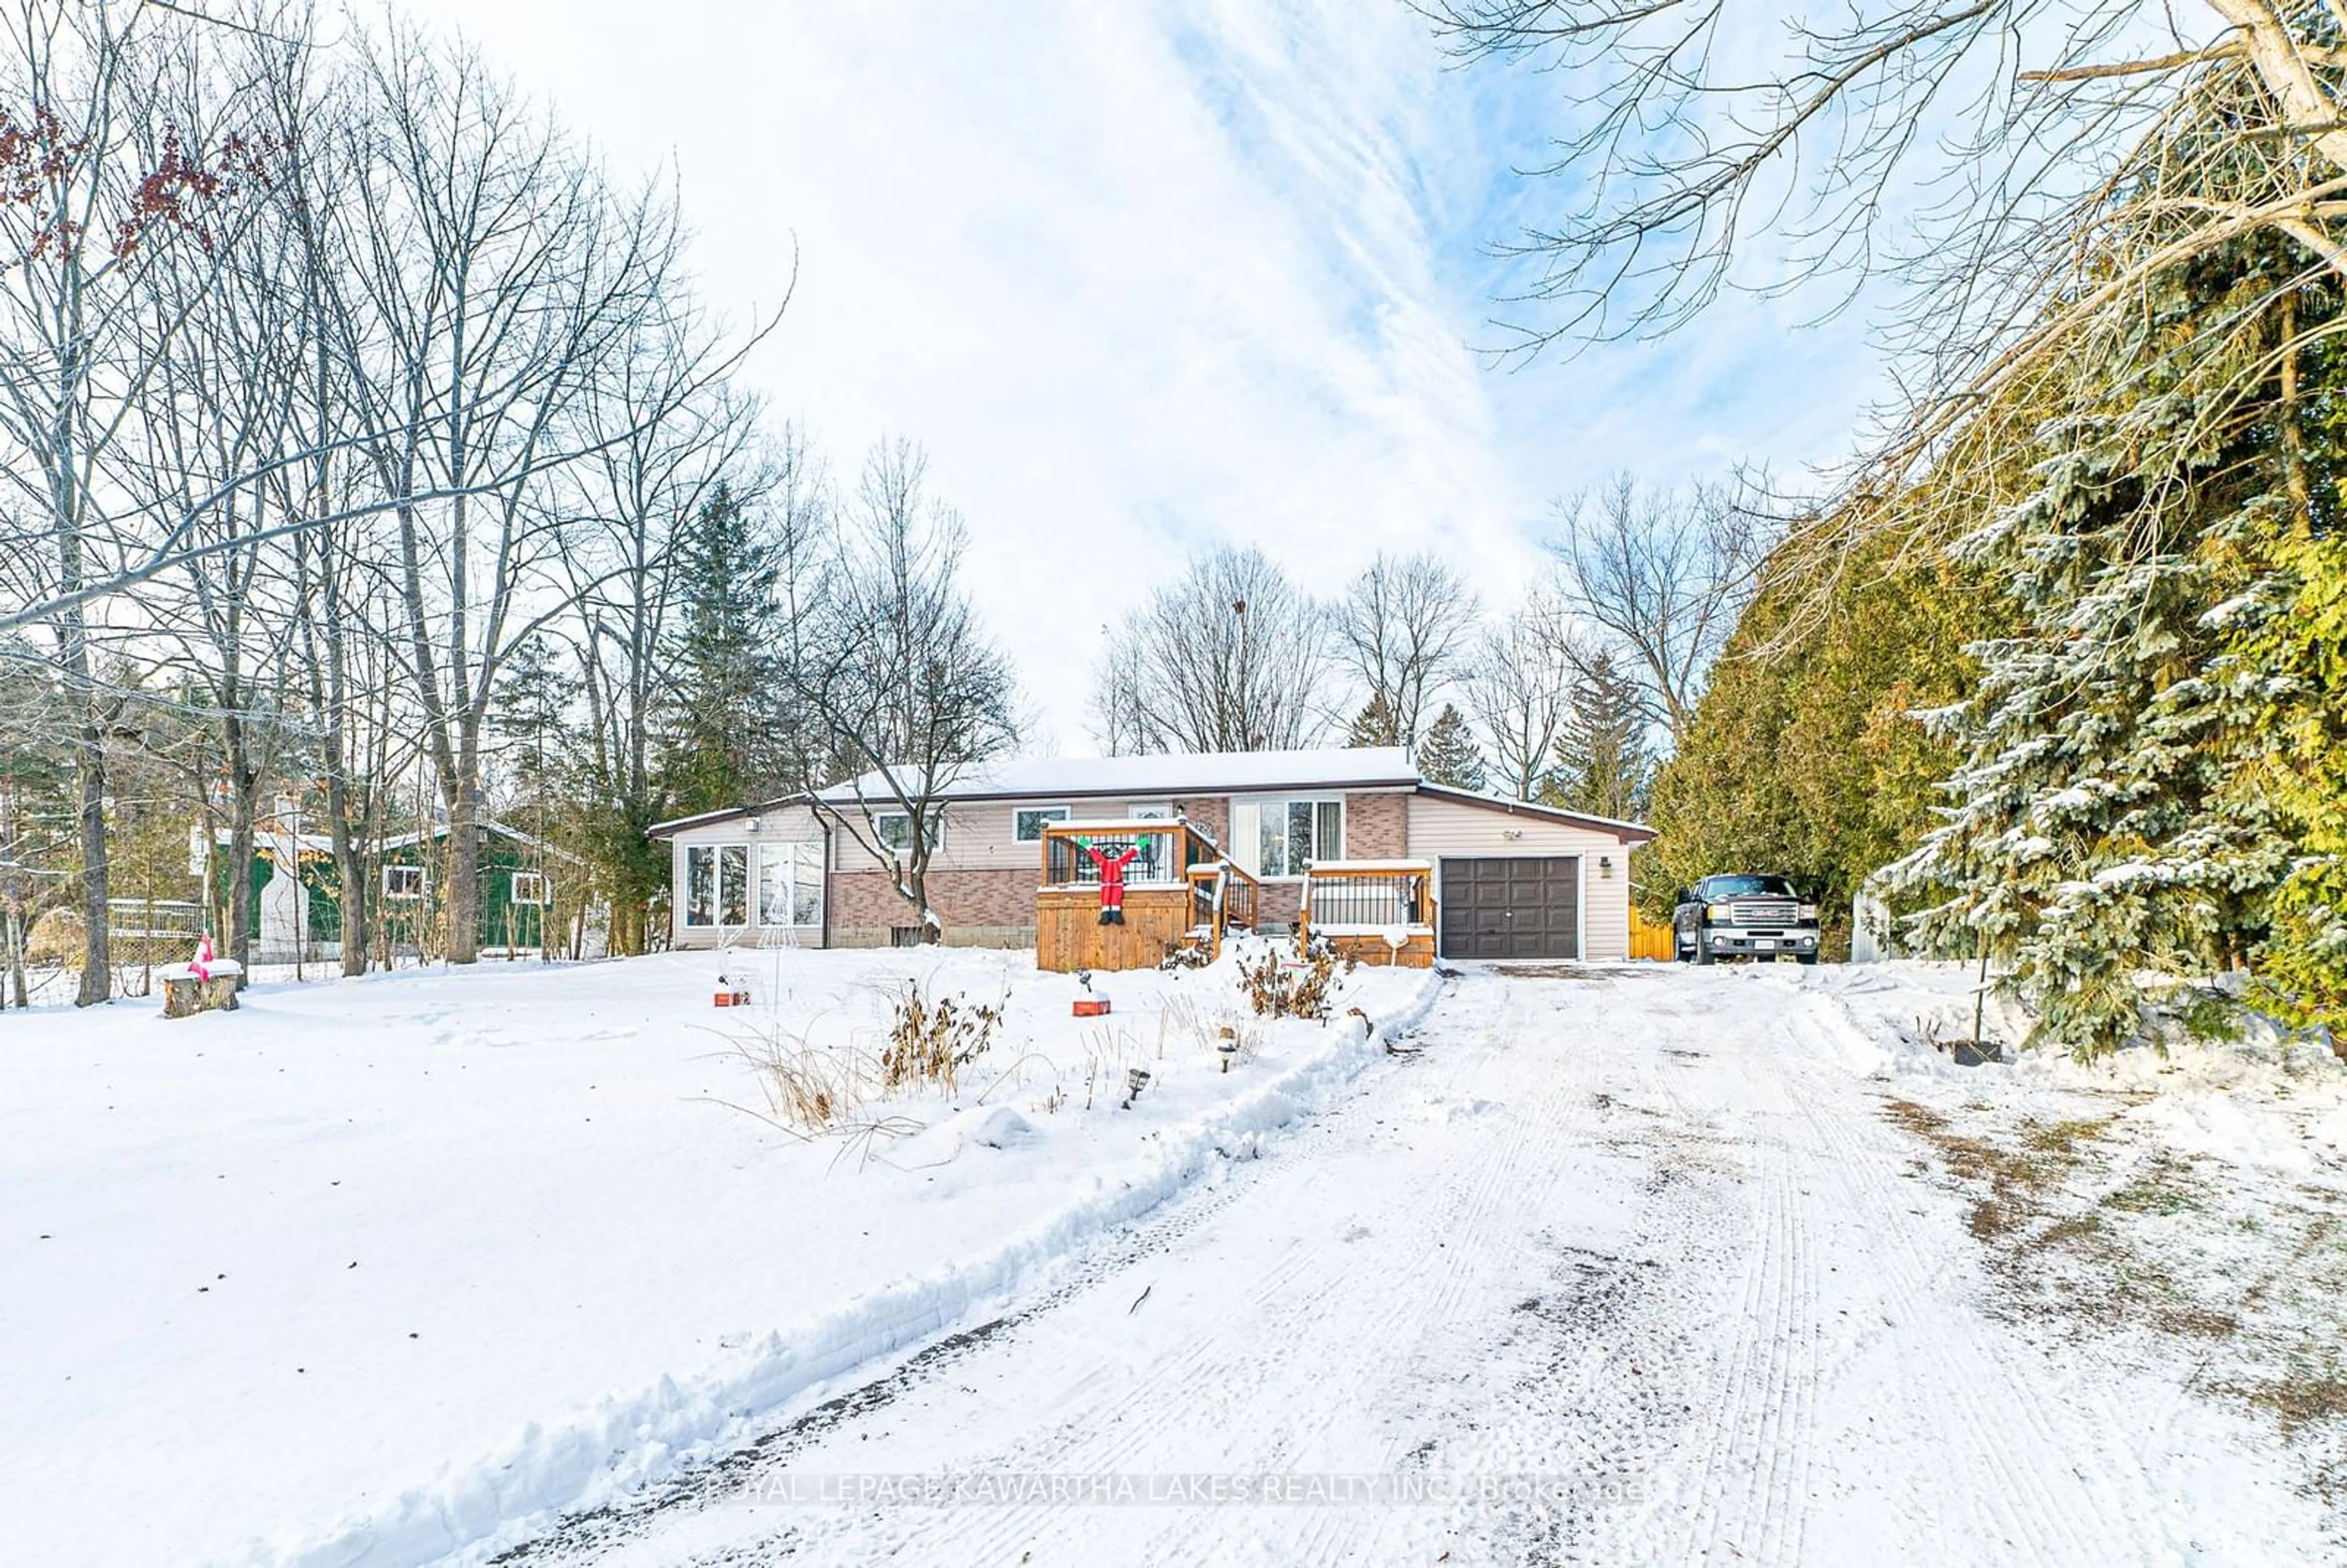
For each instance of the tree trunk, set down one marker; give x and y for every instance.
(97, 954)
(11, 932)
(463, 903)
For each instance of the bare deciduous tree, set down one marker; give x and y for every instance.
(1402, 630)
(1661, 576)
(1520, 683)
(496, 277)
(908, 686)
(1233, 658)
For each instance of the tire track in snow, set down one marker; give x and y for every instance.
(2008, 1452)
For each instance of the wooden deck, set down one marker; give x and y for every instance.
(1417, 953)
(1069, 936)
(1184, 892)
(1353, 905)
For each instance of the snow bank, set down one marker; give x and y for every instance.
(397, 1263)
(2261, 1100)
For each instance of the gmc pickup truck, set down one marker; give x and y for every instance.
(1744, 916)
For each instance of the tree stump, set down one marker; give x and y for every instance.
(184, 996)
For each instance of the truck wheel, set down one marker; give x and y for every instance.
(1703, 949)
(1808, 957)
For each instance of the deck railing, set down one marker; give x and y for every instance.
(1223, 898)
(1359, 898)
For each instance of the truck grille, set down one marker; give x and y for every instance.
(1762, 912)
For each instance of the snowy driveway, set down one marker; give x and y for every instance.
(1631, 1259)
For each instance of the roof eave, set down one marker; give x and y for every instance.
(1628, 832)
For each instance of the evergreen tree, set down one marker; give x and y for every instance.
(1604, 761)
(1375, 724)
(2094, 830)
(1805, 756)
(1449, 755)
(2300, 657)
(723, 735)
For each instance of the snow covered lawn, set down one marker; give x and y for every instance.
(2184, 1208)
(380, 1269)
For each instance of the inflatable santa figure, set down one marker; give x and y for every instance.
(1111, 878)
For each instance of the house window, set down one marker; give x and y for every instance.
(894, 829)
(529, 887)
(1027, 824)
(790, 883)
(1291, 834)
(717, 884)
(403, 882)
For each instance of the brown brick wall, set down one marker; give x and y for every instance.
(979, 908)
(1211, 813)
(1376, 826)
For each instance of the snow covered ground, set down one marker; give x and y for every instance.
(381, 1270)
(1648, 1264)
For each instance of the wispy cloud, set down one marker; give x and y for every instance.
(1149, 279)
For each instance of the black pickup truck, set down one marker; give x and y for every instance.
(1744, 916)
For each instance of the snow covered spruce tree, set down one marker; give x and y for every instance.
(2094, 831)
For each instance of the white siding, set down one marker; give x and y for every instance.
(784, 824)
(1439, 827)
(980, 836)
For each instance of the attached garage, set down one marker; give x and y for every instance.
(1512, 906)
(1526, 882)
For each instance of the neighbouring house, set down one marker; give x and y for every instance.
(1513, 880)
(530, 890)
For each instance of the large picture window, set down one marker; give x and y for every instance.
(1291, 835)
(717, 884)
(403, 882)
(790, 883)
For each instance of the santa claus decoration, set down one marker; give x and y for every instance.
(1111, 878)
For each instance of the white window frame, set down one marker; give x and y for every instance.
(423, 882)
(1066, 814)
(1248, 849)
(716, 853)
(880, 819)
(545, 898)
(805, 862)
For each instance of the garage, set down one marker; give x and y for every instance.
(1512, 906)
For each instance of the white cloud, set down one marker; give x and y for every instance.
(1145, 279)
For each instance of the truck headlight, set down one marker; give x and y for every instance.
(1808, 912)
(1716, 912)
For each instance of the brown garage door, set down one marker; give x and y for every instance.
(1512, 907)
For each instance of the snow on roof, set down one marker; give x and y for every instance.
(1151, 777)
(1629, 832)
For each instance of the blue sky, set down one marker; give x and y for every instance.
(1149, 278)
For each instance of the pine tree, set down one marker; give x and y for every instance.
(721, 743)
(1375, 724)
(1604, 761)
(1449, 755)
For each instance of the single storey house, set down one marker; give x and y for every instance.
(1513, 880)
